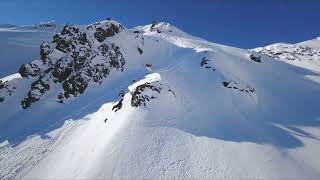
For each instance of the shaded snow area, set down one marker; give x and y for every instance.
(198, 110)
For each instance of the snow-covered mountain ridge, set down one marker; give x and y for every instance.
(42, 26)
(152, 102)
(305, 54)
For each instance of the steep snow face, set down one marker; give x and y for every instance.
(20, 45)
(305, 54)
(197, 110)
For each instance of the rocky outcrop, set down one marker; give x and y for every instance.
(118, 106)
(38, 88)
(255, 58)
(205, 63)
(31, 69)
(6, 89)
(44, 51)
(140, 95)
(232, 84)
(290, 52)
(2, 86)
(102, 30)
(153, 25)
(75, 58)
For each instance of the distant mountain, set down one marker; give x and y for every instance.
(305, 54)
(101, 101)
(7, 26)
(20, 44)
(313, 43)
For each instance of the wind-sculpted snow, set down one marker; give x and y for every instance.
(157, 103)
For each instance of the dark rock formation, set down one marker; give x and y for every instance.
(139, 98)
(31, 69)
(103, 32)
(38, 88)
(77, 64)
(255, 58)
(204, 63)
(235, 85)
(153, 24)
(74, 85)
(118, 106)
(44, 51)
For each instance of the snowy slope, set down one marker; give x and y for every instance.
(20, 45)
(313, 43)
(305, 54)
(206, 111)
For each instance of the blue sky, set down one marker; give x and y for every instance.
(240, 23)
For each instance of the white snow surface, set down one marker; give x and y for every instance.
(202, 130)
(313, 43)
(20, 44)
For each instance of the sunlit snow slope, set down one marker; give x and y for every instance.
(204, 111)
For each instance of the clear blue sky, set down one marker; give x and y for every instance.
(240, 23)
